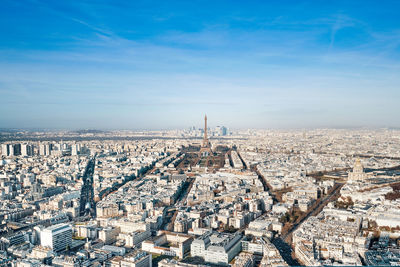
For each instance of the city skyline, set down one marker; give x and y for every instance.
(199, 133)
(164, 65)
(257, 198)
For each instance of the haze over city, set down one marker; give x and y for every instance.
(199, 133)
(163, 64)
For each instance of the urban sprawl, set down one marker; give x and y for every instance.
(200, 197)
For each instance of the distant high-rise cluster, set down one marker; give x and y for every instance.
(42, 149)
(218, 131)
(16, 150)
(221, 131)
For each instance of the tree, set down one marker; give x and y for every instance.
(285, 218)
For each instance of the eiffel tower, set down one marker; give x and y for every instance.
(205, 149)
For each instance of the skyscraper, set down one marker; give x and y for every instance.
(42, 150)
(5, 149)
(224, 131)
(16, 149)
(75, 148)
(25, 150)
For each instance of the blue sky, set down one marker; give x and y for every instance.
(163, 64)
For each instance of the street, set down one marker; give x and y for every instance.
(87, 192)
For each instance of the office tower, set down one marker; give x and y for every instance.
(11, 151)
(45, 149)
(16, 149)
(57, 237)
(26, 150)
(75, 149)
(5, 149)
(31, 150)
(217, 131)
(42, 150)
(49, 147)
(224, 131)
